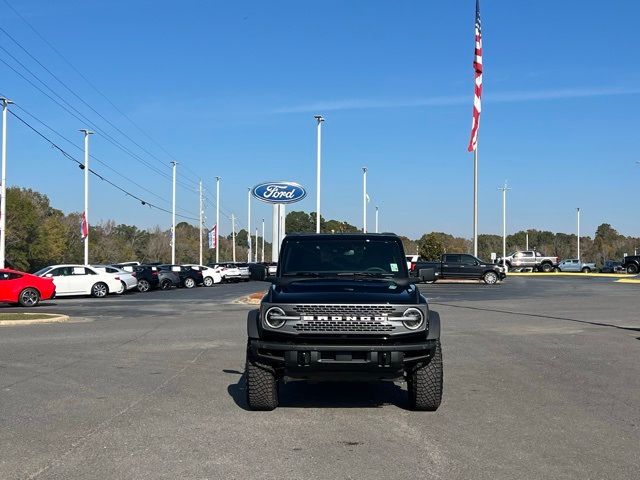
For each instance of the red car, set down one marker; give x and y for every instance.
(24, 288)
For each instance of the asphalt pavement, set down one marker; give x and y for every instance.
(541, 382)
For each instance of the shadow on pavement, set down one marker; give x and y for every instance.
(302, 394)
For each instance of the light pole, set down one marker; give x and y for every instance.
(173, 213)
(86, 192)
(578, 211)
(201, 212)
(364, 199)
(262, 259)
(377, 220)
(504, 223)
(3, 188)
(319, 119)
(233, 236)
(217, 219)
(249, 223)
(255, 255)
(527, 241)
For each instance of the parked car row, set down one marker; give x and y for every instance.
(101, 280)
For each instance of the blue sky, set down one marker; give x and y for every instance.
(230, 89)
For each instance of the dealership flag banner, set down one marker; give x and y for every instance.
(84, 227)
(477, 67)
(213, 237)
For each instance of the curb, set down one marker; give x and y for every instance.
(52, 318)
(253, 299)
(567, 274)
(628, 280)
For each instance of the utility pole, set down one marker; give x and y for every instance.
(233, 235)
(578, 210)
(217, 219)
(262, 260)
(364, 199)
(3, 188)
(86, 192)
(318, 165)
(173, 214)
(504, 223)
(377, 220)
(201, 212)
(249, 223)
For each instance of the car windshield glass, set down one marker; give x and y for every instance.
(42, 271)
(327, 256)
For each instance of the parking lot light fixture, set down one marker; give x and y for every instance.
(319, 119)
(217, 220)
(504, 223)
(578, 211)
(86, 194)
(364, 199)
(3, 188)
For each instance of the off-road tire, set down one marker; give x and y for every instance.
(99, 290)
(490, 278)
(632, 269)
(208, 281)
(189, 282)
(586, 270)
(424, 384)
(262, 385)
(144, 286)
(29, 297)
(546, 267)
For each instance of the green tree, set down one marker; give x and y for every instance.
(430, 246)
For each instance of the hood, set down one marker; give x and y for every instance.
(347, 291)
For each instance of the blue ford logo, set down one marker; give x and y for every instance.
(279, 192)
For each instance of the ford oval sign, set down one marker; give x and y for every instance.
(279, 192)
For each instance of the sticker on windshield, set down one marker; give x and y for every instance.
(394, 267)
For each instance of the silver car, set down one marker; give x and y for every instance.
(575, 265)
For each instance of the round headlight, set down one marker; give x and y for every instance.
(271, 317)
(414, 318)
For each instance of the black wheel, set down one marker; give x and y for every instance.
(262, 385)
(143, 285)
(208, 281)
(586, 270)
(632, 269)
(189, 282)
(166, 284)
(490, 278)
(99, 290)
(547, 267)
(424, 384)
(29, 297)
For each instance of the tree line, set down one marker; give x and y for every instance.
(39, 235)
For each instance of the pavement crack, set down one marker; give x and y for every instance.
(537, 315)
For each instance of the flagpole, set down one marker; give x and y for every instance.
(86, 192)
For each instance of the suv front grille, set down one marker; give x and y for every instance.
(373, 324)
(340, 326)
(361, 310)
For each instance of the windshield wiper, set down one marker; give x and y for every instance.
(365, 274)
(301, 274)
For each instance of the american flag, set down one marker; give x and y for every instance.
(84, 226)
(477, 67)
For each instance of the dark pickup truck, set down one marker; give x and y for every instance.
(461, 266)
(631, 264)
(342, 307)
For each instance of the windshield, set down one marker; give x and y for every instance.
(327, 256)
(42, 271)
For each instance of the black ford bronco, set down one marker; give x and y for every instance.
(342, 307)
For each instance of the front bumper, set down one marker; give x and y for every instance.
(306, 360)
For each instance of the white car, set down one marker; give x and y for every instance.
(210, 275)
(272, 268)
(229, 271)
(81, 280)
(128, 280)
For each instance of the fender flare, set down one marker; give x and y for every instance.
(252, 324)
(434, 325)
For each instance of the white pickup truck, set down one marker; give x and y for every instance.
(522, 259)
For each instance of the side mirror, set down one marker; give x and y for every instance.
(427, 275)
